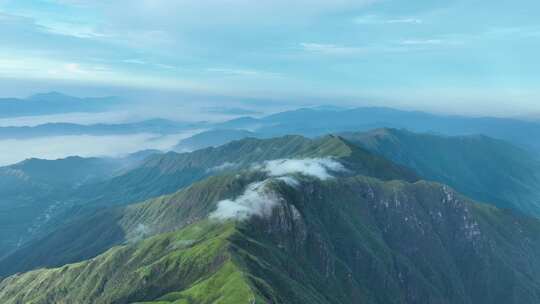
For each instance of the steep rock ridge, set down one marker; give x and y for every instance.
(361, 240)
(483, 168)
(347, 239)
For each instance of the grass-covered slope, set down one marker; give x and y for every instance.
(483, 168)
(32, 192)
(92, 234)
(38, 196)
(352, 239)
(165, 174)
(192, 265)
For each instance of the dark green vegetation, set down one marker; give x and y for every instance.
(38, 195)
(34, 191)
(192, 264)
(166, 173)
(92, 234)
(373, 234)
(51, 193)
(483, 168)
(480, 167)
(353, 239)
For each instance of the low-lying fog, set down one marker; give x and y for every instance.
(186, 110)
(12, 151)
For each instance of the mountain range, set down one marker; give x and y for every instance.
(486, 169)
(310, 122)
(318, 121)
(54, 103)
(155, 126)
(322, 205)
(330, 223)
(35, 192)
(512, 184)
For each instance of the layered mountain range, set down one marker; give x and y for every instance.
(336, 219)
(54, 103)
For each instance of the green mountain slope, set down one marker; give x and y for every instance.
(92, 233)
(166, 173)
(34, 191)
(481, 167)
(189, 264)
(351, 239)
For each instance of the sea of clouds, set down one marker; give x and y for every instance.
(54, 147)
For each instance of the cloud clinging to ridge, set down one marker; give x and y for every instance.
(256, 200)
(320, 168)
(259, 200)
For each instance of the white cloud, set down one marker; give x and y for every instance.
(14, 65)
(242, 72)
(134, 61)
(423, 42)
(223, 167)
(140, 232)
(71, 29)
(405, 20)
(316, 167)
(289, 180)
(74, 117)
(330, 49)
(430, 43)
(257, 200)
(166, 13)
(374, 19)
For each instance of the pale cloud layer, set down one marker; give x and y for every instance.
(12, 151)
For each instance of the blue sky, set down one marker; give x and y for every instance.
(471, 56)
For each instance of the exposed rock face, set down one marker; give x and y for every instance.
(362, 240)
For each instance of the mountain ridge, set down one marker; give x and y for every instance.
(311, 263)
(168, 165)
(484, 168)
(54, 103)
